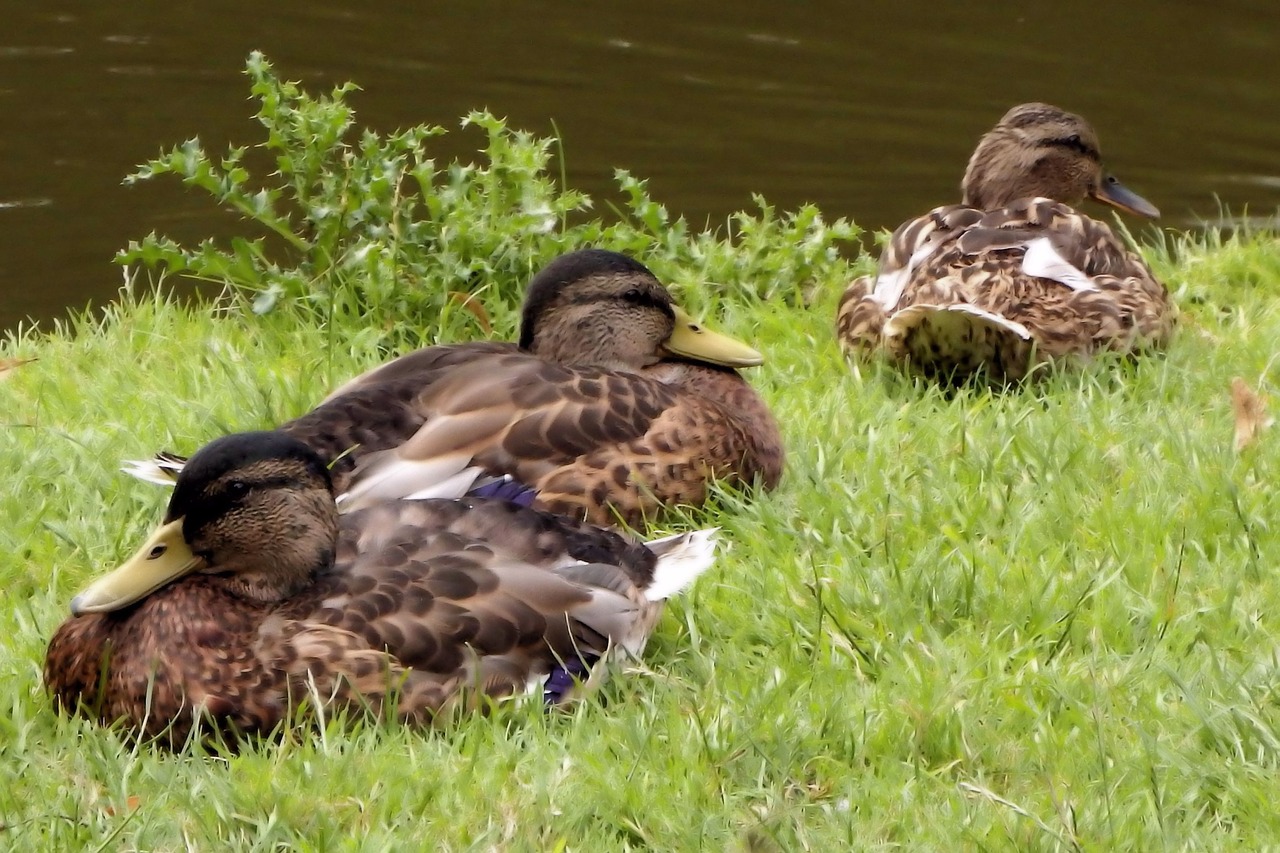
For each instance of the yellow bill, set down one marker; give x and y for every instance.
(691, 340)
(163, 558)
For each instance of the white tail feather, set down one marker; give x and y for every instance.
(909, 318)
(393, 477)
(389, 478)
(890, 285)
(1044, 261)
(151, 471)
(681, 558)
(450, 487)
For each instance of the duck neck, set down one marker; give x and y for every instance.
(1007, 168)
(582, 354)
(302, 545)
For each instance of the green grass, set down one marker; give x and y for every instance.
(1035, 620)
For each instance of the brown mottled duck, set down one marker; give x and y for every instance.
(612, 405)
(255, 597)
(1013, 276)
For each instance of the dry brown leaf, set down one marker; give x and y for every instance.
(1251, 413)
(469, 302)
(8, 365)
(130, 804)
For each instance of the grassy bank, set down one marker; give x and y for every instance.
(1036, 620)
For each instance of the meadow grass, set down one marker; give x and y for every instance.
(1033, 620)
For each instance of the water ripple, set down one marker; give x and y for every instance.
(1268, 181)
(24, 203)
(770, 38)
(33, 51)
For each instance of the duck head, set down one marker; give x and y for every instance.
(253, 510)
(1040, 150)
(604, 309)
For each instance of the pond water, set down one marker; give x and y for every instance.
(868, 110)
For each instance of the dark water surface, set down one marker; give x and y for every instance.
(869, 110)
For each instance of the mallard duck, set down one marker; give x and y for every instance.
(1013, 276)
(613, 404)
(255, 597)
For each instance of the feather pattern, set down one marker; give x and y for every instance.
(599, 410)
(590, 442)
(416, 607)
(963, 289)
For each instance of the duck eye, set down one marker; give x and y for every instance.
(237, 488)
(634, 295)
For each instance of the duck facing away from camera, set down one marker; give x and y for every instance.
(1014, 276)
(613, 405)
(255, 598)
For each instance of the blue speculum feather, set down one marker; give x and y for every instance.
(564, 676)
(507, 489)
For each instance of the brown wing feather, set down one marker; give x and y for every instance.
(982, 266)
(536, 538)
(867, 302)
(451, 613)
(415, 611)
(961, 255)
(626, 476)
(514, 414)
(379, 409)
(859, 318)
(598, 444)
(419, 366)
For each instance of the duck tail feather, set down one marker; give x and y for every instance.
(681, 559)
(942, 316)
(389, 477)
(162, 469)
